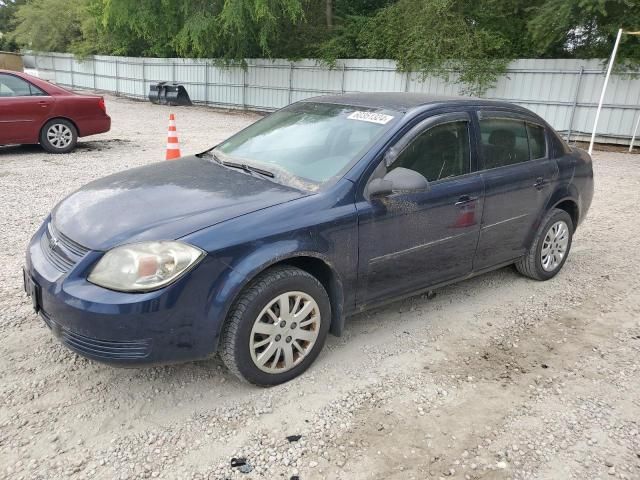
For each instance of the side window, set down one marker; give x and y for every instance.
(437, 153)
(503, 142)
(537, 141)
(12, 86)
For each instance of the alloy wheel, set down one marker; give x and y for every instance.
(284, 332)
(554, 246)
(59, 135)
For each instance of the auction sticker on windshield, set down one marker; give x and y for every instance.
(373, 117)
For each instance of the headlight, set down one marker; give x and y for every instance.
(140, 267)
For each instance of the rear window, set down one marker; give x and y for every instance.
(537, 141)
(557, 146)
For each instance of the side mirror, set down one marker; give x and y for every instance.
(379, 187)
(398, 180)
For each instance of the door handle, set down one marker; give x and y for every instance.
(540, 183)
(43, 104)
(465, 199)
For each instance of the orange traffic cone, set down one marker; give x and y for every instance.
(173, 148)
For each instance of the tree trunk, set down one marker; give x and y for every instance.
(329, 13)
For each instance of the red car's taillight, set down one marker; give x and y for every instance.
(102, 105)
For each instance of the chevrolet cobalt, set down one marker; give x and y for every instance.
(261, 246)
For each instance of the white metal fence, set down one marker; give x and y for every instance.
(564, 92)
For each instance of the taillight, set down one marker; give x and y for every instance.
(102, 105)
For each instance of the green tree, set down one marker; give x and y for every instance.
(52, 25)
(585, 29)
(230, 29)
(439, 38)
(506, 19)
(144, 27)
(467, 41)
(7, 12)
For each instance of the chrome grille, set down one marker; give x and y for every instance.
(60, 250)
(66, 242)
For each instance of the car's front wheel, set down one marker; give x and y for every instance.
(58, 136)
(276, 327)
(550, 247)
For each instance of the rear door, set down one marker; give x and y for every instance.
(23, 109)
(408, 241)
(518, 176)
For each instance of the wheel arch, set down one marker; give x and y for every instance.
(329, 279)
(310, 262)
(570, 206)
(565, 197)
(58, 117)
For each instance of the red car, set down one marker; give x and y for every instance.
(35, 111)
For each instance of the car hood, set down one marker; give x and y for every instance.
(163, 201)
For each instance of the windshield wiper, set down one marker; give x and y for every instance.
(246, 168)
(242, 166)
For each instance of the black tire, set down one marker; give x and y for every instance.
(65, 125)
(531, 264)
(236, 332)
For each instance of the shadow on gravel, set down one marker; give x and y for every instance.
(191, 378)
(99, 145)
(90, 146)
(14, 149)
(472, 287)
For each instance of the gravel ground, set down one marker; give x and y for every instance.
(496, 377)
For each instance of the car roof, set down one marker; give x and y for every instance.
(13, 72)
(403, 102)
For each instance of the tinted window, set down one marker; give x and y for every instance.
(504, 142)
(12, 86)
(440, 152)
(537, 141)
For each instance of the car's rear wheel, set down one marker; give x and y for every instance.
(550, 247)
(58, 136)
(277, 326)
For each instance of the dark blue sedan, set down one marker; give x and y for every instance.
(259, 247)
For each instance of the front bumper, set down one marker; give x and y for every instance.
(169, 325)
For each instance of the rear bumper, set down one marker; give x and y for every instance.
(170, 325)
(94, 125)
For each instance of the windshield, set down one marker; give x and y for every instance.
(313, 142)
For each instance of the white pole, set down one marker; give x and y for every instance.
(635, 132)
(604, 89)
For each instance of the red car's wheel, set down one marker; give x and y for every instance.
(58, 136)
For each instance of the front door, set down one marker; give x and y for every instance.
(23, 109)
(409, 241)
(518, 176)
